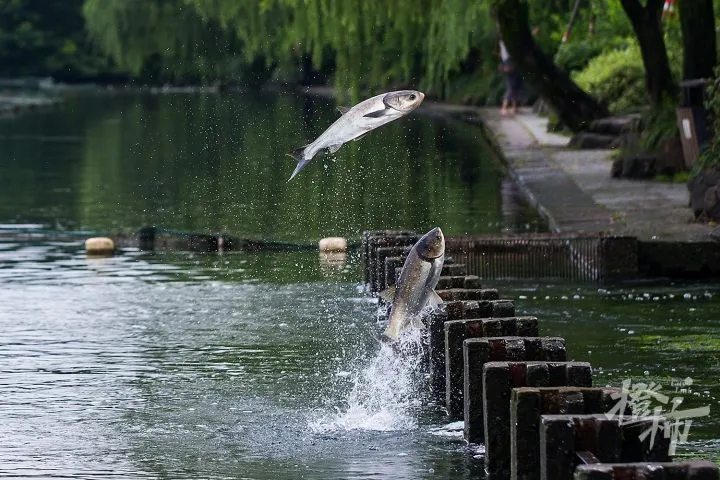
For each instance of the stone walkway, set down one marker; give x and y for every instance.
(574, 191)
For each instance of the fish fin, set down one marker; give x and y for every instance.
(434, 301)
(388, 294)
(334, 148)
(361, 136)
(342, 110)
(376, 114)
(298, 154)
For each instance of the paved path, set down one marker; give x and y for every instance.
(574, 191)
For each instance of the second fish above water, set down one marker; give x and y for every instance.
(415, 288)
(357, 121)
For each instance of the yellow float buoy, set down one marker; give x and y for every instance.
(99, 246)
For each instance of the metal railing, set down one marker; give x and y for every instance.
(590, 258)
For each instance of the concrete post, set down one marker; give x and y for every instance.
(454, 294)
(498, 380)
(456, 310)
(699, 470)
(528, 404)
(611, 440)
(479, 351)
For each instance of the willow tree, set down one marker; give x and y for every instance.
(574, 106)
(161, 37)
(372, 43)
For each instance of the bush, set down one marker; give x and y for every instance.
(616, 78)
(575, 55)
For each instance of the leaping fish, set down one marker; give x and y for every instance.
(357, 121)
(415, 288)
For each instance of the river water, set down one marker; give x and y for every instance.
(265, 365)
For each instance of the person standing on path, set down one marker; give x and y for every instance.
(513, 82)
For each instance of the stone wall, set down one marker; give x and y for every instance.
(705, 195)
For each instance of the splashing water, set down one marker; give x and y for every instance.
(386, 393)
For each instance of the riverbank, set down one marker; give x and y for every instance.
(573, 188)
(574, 191)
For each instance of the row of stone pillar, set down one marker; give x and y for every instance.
(538, 415)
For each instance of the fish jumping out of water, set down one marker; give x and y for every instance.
(415, 288)
(358, 121)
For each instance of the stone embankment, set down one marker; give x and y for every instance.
(575, 191)
(537, 414)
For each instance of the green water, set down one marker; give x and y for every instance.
(211, 163)
(265, 365)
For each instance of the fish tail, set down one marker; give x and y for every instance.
(298, 154)
(392, 332)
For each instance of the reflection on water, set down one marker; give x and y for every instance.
(218, 163)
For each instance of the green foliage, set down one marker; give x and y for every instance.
(575, 55)
(657, 125)
(679, 177)
(161, 39)
(39, 38)
(710, 156)
(616, 78)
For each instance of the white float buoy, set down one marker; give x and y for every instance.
(333, 244)
(99, 246)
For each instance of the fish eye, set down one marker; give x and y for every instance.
(412, 96)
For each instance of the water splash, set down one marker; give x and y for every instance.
(386, 393)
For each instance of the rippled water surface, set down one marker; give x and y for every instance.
(144, 365)
(264, 365)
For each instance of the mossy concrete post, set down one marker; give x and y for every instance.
(384, 239)
(461, 309)
(392, 264)
(457, 310)
(510, 347)
(454, 294)
(454, 270)
(528, 404)
(499, 378)
(146, 238)
(699, 470)
(381, 253)
(436, 349)
(479, 351)
(459, 281)
(505, 348)
(610, 440)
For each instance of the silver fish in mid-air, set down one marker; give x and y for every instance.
(415, 288)
(358, 121)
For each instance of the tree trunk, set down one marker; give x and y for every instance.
(575, 108)
(697, 20)
(646, 25)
